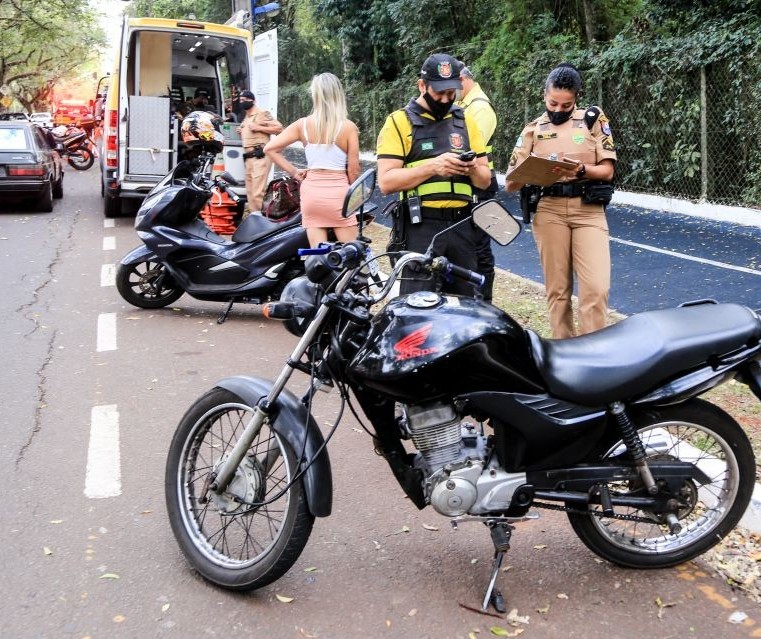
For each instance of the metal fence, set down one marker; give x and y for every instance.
(691, 135)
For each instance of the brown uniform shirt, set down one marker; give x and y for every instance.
(572, 139)
(253, 138)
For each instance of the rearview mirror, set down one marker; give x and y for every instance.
(495, 220)
(359, 193)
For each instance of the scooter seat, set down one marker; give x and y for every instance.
(635, 355)
(256, 226)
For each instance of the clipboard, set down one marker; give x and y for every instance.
(536, 170)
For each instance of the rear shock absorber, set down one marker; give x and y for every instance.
(634, 445)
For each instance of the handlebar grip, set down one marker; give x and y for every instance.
(344, 254)
(225, 188)
(445, 266)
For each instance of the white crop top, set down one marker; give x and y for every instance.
(329, 157)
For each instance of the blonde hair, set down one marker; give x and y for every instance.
(329, 110)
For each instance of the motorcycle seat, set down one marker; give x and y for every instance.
(637, 354)
(255, 227)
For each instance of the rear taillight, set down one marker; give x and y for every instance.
(28, 170)
(112, 155)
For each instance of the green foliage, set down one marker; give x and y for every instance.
(39, 48)
(206, 10)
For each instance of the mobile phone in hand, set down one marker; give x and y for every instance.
(467, 156)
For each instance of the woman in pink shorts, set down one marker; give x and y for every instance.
(331, 146)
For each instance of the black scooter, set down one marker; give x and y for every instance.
(181, 254)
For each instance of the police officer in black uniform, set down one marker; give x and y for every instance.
(418, 150)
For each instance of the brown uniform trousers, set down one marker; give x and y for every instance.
(257, 169)
(571, 236)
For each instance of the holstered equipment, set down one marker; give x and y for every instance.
(529, 196)
(255, 152)
(590, 192)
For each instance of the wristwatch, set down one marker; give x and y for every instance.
(581, 172)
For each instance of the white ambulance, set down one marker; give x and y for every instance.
(159, 67)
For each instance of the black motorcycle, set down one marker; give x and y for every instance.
(607, 427)
(181, 254)
(76, 145)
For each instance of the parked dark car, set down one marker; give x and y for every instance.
(30, 166)
(14, 116)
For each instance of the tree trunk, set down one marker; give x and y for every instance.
(589, 24)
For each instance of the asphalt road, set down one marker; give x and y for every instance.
(87, 554)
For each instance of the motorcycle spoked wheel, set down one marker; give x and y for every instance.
(696, 432)
(147, 285)
(233, 544)
(81, 159)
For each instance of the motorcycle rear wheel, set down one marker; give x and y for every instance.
(82, 159)
(229, 539)
(697, 432)
(147, 285)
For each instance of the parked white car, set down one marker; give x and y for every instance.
(43, 118)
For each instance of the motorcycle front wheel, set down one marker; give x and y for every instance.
(236, 540)
(81, 160)
(696, 432)
(147, 285)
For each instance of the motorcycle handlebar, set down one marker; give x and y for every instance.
(443, 265)
(347, 255)
(225, 188)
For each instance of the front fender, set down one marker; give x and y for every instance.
(138, 255)
(290, 421)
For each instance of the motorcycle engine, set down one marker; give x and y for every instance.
(453, 457)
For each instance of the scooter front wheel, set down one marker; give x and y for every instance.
(81, 160)
(696, 432)
(253, 532)
(147, 284)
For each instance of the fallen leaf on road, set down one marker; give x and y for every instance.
(310, 569)
(412, 612)
(514, 618)
(165, 607)
(662, 606)
(499, 631)
(404, 529)
(309, 635)
(284, 599)
(429, 527)
(540, 547)
(109, 575)
(56, 521)
(737, 617)
(119, 618)
(544, 610)
(47, 551)
(562, 595)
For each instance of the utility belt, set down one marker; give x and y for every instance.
(589, 192)
(256, 151)
(443, 214)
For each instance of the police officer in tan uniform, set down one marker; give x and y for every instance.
(255, 131)
(569, 226)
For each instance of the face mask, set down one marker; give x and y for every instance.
(246, 105)
(558, 117)
(438, 109)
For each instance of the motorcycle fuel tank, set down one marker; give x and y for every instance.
(426, 345)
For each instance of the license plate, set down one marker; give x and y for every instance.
(372, 263)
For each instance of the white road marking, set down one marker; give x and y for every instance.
(106, 332)
(692, 258)
(108, 275)
(109, 224)
(109, 243)
(104, 476)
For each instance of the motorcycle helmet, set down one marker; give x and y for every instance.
(203, 131)
(304, 295)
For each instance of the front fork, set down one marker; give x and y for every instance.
(265, 408)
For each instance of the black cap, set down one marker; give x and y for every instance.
(441, 72)
(201, 92)
(247, 94)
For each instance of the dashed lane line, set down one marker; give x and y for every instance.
(103, 477)
(106, 338)
(109, 243)
(108, 275)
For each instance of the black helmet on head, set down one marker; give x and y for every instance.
(203, 131)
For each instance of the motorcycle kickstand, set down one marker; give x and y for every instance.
(221, 319)
(500, 536)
